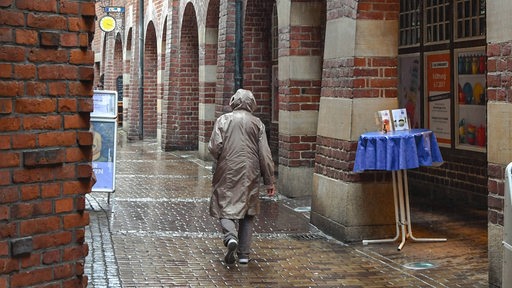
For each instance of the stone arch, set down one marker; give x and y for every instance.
(150, 82)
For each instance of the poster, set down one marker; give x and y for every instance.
(438, 101)
(104, 103)
(104, 153)
(409, 88)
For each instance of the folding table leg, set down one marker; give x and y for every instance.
(409, 226)
(397, 221)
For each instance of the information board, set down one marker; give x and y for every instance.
(104, 153)
(104, 104)
(104, 129)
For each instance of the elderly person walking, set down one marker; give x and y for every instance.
(240, 149)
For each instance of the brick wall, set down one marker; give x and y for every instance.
(460, 181)
(46, 78)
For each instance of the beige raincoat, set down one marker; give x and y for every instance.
(239, 145)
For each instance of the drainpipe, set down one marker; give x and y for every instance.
(141, 69)
(238, 46)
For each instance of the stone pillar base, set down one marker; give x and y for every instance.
(353, 211)
(203, 152)
(295, 182)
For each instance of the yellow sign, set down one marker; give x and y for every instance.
(107, 23)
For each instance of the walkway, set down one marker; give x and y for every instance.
(156, 232)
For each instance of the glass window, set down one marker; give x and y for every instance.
(437, 21)
(409, 23)
(469, 18)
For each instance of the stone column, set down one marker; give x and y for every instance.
(499, 121)
(208, 37)
(359, 78)
(300, 73)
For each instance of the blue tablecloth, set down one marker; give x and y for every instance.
(397, 150)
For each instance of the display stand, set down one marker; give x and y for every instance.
(402, 213)
(398, 151)
(104, 129)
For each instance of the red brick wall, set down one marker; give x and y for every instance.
(46, 81)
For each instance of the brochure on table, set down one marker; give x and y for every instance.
(104, 129)
(392, 120)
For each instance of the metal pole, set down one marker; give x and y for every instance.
(238, 46)
(141, 69)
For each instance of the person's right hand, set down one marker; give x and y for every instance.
(271, 191)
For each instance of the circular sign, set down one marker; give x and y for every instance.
(107, 23)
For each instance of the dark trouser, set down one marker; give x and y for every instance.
(243, 236)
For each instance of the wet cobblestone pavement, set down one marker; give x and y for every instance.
(156, 232)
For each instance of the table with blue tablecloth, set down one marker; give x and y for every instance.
(397, 151)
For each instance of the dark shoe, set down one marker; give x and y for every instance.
(230, 255)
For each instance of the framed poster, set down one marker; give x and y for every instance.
(438, 96)
(105, 104)
(104, 153)
(409, 88)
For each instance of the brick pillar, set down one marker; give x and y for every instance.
(300, 73)
(46, 83)
(208, 77)
(150, 82)
(160, 83)
(225, 57)
(127, 79)
(170, 88)
(359, 78)
(499, 121)
(182, 129)
(132, 119)
(108, 69)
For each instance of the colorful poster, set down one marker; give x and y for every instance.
(104, 153)
(409, 88)
(438, 96)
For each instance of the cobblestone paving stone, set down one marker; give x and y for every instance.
(156, 232)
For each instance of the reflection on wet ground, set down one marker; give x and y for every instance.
(156, 232)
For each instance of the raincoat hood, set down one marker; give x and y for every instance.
(243, 99)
